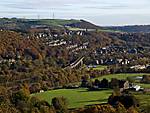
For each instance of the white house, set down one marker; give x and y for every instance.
(41, 91)
(137, 87)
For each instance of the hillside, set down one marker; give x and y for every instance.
(70, 47)
(19, 24)
(23, 25)
(131, 29)
(12, 44)
(83, 24)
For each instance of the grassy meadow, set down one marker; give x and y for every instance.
(76, 97)
(99, 67)
(121, 76)
(57, 22)
(81, 97)
(124, 76)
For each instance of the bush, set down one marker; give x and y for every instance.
(126, 100)
(60, 104)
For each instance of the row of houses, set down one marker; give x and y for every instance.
(72, 46)
(130, 86)
(111, 61)
(139, 67)
(119, 49)
(51, 33)
(56, 43)
(10, 61)
(76, 47)
(79, 48)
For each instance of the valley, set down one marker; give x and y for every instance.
(73, 65)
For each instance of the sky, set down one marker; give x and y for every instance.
(100, 12)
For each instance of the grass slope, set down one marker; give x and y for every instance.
(144, 99)
(100, 67)
(76, 97)
(20, 22)
(122, 75)
(57, 22)
(81, 97)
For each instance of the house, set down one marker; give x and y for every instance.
(91, 66)
(126, 85)
(123, 85)
(72, 46)
(138, 78)
(147, 90)
(97, 62)
(90, 30)
(125, 61)
(72, 86)
(41, 91)
(101, 61)
(138, 67)
(86, 43)
(137, 87)
(119, 60)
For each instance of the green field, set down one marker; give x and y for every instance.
(57, 22)
(22, 22)
(144, 99)
(81, 97)
(99, 67)
(76, 97)
(109, 30)
(75, 29)
(122, 75)
(144, 85)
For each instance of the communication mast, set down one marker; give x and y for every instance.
(38, 17)
(53, 15)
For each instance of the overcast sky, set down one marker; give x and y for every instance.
(101, 12)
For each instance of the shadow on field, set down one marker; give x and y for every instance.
(99, 100)
(94, 90)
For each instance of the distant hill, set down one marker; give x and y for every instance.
(131, 29)
(83, 24)
(56, 22)
(24, 24)
(18, 24)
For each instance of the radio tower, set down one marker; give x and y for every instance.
(38, 17)
(53, 15)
